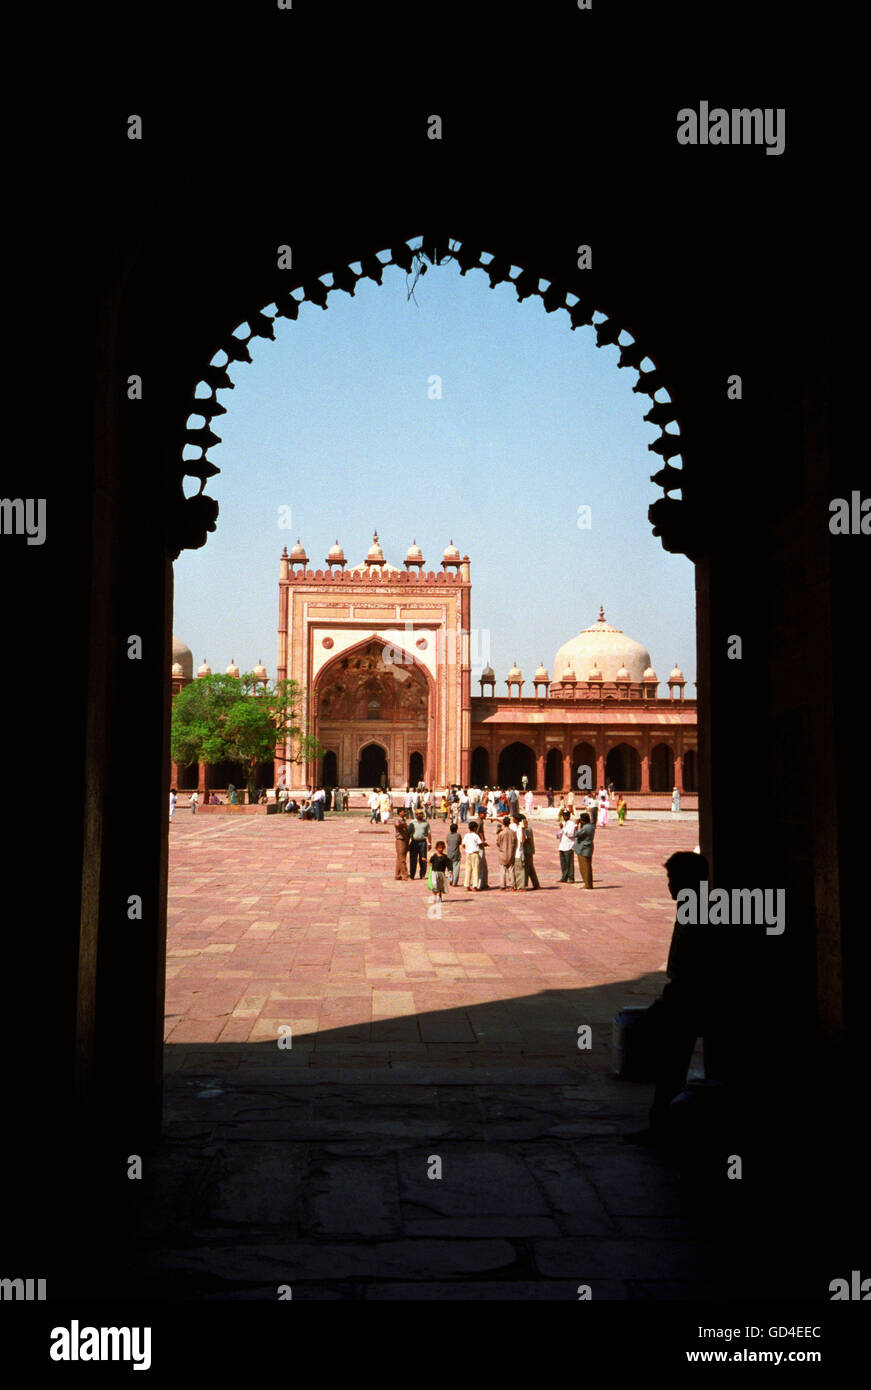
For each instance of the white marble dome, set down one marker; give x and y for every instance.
(183, 656)
(601, 647)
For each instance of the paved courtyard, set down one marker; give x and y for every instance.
(274, 921)
(434, 1130)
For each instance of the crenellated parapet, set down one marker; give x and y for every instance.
(407, 578)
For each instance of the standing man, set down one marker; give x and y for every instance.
(195, 801)
(464, 804)
(529, 802)
(318, 800)
(506, 846)
(584, 836)
(403, 833)
(529, 855)
(374, 805)
(452, 850)
(419, 843)
(472, 846)
(173, 798)
(524, 781)
(566, 843)
(519, 834)
(513, 801)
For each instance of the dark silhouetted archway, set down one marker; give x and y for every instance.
(480, 773)
(330, 770)
(583, 756)
(372, 766)
(222, 774)
(516, 762)
(690, 771)
(661, 768)
(415, 769)
(553, 770)
(623, 768)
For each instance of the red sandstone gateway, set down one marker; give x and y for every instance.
(385, 657)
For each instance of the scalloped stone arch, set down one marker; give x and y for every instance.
(193, 517)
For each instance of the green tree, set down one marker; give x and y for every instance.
(238, 719)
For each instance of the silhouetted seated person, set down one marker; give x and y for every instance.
(292, 806)
(696, 1003)
(307, 811)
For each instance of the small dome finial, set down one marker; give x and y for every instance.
(601, 613)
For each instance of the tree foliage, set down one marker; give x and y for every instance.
(238, 719)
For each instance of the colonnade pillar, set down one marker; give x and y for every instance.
(645, 763)
(539, 771)
(568, 778)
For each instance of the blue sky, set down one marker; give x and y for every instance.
(336, 421)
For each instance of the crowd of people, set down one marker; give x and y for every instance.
(470, 812)
(315, 803)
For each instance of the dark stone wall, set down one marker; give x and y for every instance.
(704, 260)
